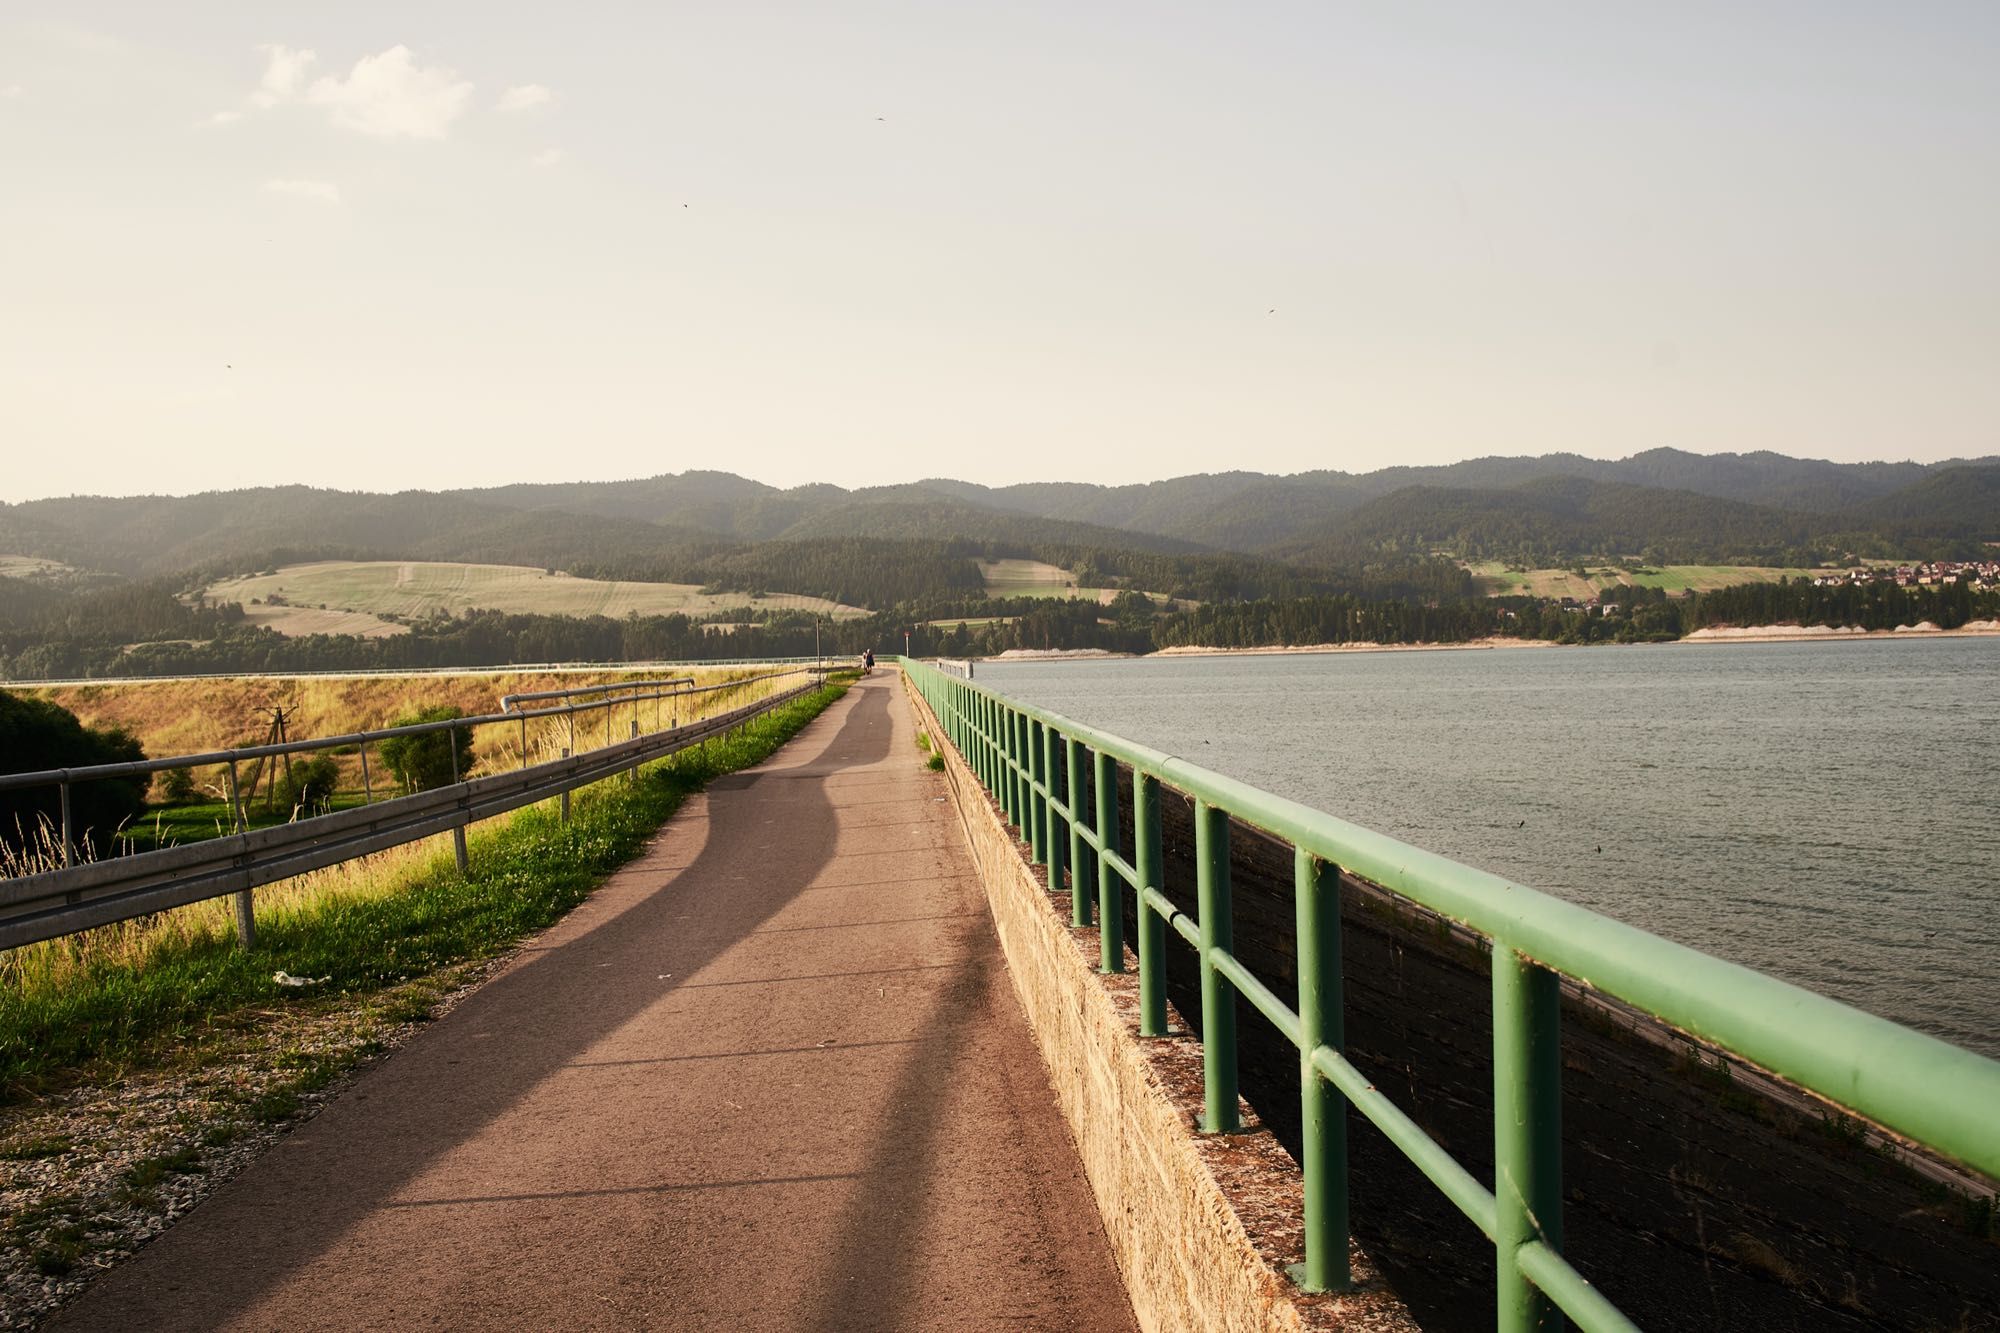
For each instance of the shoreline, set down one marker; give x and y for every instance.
(1719, 634)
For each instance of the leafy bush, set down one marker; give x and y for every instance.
(423, 762)
(177, 786)
(35, 735)
(308, 787)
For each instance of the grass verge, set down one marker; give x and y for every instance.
(68, 1011)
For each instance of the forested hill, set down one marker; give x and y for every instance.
(1209, 537)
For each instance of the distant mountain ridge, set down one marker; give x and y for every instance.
(699, 525)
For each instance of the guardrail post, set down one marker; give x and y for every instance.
(367, 785)
(1110, 916)
(458, 830)
(1055, 837)
(1322, 1108)
(246, 914)
(1152, 926)
(1079, 893)
(1527, 1130)
(1218, 997)
(633, 772)
(565, 792)
(68, 838)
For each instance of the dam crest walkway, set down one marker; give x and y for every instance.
(772, 1075)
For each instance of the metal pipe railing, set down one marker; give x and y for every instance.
(1929, 1091)
(78, 896)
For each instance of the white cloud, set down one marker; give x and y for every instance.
(224, 118)
(323, 192)
(284, 74)
(548, 157)
(13, 92)
(526, 97)
(392, 96)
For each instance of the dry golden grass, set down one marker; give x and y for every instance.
(172, 717)
(48, 966)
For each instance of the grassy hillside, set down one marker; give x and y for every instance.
(1498, 580)
(414, 590)
(191, 716)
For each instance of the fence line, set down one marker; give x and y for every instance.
(81, 895)
(1056, 781)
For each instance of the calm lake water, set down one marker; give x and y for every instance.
(1820, 811)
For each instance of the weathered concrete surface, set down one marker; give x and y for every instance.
(1203, 1225)
(771, 1076)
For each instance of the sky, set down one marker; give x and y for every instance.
(382, 246)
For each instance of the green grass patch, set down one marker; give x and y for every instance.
(524, 875)
(198, 821)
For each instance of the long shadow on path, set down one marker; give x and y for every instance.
(524, 1027)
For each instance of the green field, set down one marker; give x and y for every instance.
(1500, 581)
(31, 567)
(350, 596)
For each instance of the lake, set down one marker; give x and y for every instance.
(1820, 811)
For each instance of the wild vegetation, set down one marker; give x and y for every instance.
(123, 993)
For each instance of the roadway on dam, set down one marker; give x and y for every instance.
(772, 1075)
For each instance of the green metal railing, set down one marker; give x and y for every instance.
(1924, 1089)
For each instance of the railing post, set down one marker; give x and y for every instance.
(565, 791)
(458, 829)
(246, 912)
(367, 784)
(68, 837)
(1110, 915)
(632, 774)
(1151, 866)
(1527, 1131)
(1079, 894)
(1218, 997)
(1322, 1108)
(1038, 801)
(1003, 745)
(1017, 767)
(1055, 838)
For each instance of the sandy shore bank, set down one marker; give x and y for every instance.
(1357, 647)
(1829, 633)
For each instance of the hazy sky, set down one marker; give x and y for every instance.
(386, 245)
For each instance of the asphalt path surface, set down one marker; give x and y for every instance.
(771, 1076)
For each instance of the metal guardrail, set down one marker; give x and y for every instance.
(1056, 781)
(79, 896)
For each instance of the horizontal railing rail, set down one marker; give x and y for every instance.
(1034, 762)
(80, 895)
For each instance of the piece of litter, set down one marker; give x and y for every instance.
(827, 1042)
(287, 979)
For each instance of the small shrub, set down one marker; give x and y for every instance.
(177, 786)
(937, 763)
(420, 763)
(308, 787)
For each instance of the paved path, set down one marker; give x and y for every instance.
(771, 1076)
